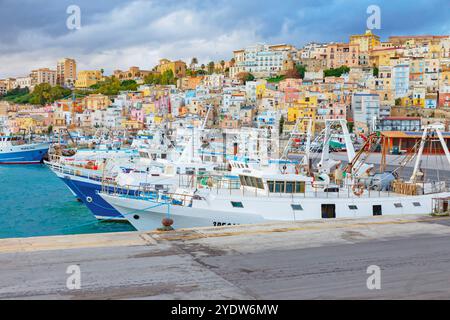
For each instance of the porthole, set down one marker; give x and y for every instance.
(136, 217)
(89, 199)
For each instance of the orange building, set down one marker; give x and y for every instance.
(342, 54)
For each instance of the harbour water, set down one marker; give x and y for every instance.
(34, 202)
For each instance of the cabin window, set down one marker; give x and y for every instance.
(353, 207)
(253, 182)
(417, 204)
(237, 204)
(290, 187)
(299, 187)
(398, 205)
(260, 184)
(286, 186)
(270, 185)
(297, 207)
(279, 186)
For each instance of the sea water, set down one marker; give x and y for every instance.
(34, 202)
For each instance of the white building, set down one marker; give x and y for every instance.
(261, 60)
(43, 75)
(400, 80)
(23, 82)
(366, 110)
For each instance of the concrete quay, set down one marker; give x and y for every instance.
(303, 260)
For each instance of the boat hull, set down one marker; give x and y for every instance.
(87, 192)
(26, 154)
(144, 215)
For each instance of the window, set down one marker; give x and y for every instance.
(300, 187)
(297, 207)
(279, 186)
(398, 205)
(290, 187)
(353, 207)
(237, 204)
(417, 204)
(271, 185)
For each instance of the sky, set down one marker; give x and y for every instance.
(117, 34)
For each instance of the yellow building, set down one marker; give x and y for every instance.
(133, 73)
(260, 90)
(149, 108)
(96, 102)
(177, 67)
(132, 125)
(382, 57)
(366, 41)
(87, 78)
(412, 102)
(303, 108)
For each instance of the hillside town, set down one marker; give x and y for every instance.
(393, 86)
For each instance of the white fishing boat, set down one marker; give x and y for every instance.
(282, 191)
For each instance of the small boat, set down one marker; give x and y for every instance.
(15, 150)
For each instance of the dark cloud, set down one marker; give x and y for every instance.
(118, 33)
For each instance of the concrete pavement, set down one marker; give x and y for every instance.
(304, 260)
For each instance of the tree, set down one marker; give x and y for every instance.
(110, 87)
(203, 67)
(211, 65)
(222, 63)
(129, 85)
(244, 77)
(301, 69)
(167, 78)
(44, 93)
(375, 72)
(336, 72)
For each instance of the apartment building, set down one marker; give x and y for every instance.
(23, 82)
(400, 80)
(262, 60)
(342, 54)
(367, 41)
(43, 75)
(66, 72)
(366, 111)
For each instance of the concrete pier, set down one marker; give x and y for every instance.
(304, 260)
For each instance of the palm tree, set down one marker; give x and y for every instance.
(211, 67)
(222, 63)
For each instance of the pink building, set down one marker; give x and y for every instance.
(137, 115)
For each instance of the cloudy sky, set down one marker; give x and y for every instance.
(117, 34)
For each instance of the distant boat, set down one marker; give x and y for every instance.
(14, 150)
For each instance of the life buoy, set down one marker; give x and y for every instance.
(358, 189)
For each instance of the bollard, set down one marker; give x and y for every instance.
(166, 225)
